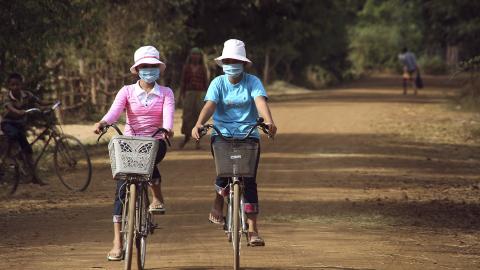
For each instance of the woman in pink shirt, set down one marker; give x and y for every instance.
(148, 106)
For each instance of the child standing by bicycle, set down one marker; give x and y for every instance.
(14, 120)
(148, 106)
(236, 99)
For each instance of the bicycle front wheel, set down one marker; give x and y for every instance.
(144, 226)
(72, 163)
(141, 243)
(236, 226)
(9, 177)
(130, 226)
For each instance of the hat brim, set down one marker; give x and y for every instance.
(219, 59)
(149, 61)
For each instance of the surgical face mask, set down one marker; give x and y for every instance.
(233, 70)
(149, 75)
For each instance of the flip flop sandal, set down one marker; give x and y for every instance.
(111, 257)
(212, 217)
(157, 208)
(255, 241)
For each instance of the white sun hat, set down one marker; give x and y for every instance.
(233, 49)
(147, 55)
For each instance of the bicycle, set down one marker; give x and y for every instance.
(71, 160)
(132, 159)
(236, 158)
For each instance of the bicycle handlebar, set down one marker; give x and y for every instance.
(105, 129)
(260, 124)
(54, 107)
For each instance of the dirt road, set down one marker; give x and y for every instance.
(359, 177)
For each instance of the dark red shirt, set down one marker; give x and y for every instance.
(194, 81)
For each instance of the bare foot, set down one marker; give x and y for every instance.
(254, 240)
(115, 254)
(157, 207)
(216, 214)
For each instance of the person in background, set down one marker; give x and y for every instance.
(236, 99)
(148, 106)
(192, 91)
(410, 69)
(14, 119)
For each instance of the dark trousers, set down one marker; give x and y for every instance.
(16, 132)
(121, 185)
(249, 184)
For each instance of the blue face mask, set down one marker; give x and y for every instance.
(149, 75)
(233, 70)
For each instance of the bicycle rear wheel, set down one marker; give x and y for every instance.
(236, 226)
(9, 176)
(72, 163)
(130, 218)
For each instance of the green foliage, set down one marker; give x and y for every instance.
(318, 77)
(79, 44)
(453, 23)
(432, 64)
(471, 68)
(383, 28)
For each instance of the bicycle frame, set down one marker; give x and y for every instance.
(144, 221)
(52, 134)
(236, 221)
(243, 217)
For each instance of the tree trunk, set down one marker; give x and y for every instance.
(266, 67)
(93, 91)
(452, 56)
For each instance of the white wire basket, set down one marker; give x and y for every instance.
(132, 156)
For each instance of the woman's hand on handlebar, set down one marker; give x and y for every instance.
(97, 127)
(170, 133)
(272, 129)
(196, 131)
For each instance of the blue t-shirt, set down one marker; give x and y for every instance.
(236, 111)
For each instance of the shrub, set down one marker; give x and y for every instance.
(432, 64)
(318, 77)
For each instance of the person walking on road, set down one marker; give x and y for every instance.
(192, 91)
(148, 106)
(410, 70)
(236, 99)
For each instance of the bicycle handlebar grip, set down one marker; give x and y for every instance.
(203, 131)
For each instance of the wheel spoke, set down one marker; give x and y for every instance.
(72, 163)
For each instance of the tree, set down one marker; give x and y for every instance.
(382, 29)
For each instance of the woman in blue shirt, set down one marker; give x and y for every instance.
(236, 99)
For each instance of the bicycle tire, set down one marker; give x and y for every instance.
(236, 226)
(130, 226)
(141, 243)
(9, 177)
(143, 226)
(71, 159)
(228, 221)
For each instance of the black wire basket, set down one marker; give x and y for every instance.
(235, 158)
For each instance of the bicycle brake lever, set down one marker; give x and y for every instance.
(103, 131)
(168, 141)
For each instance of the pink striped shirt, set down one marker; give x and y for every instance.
(142, 119)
